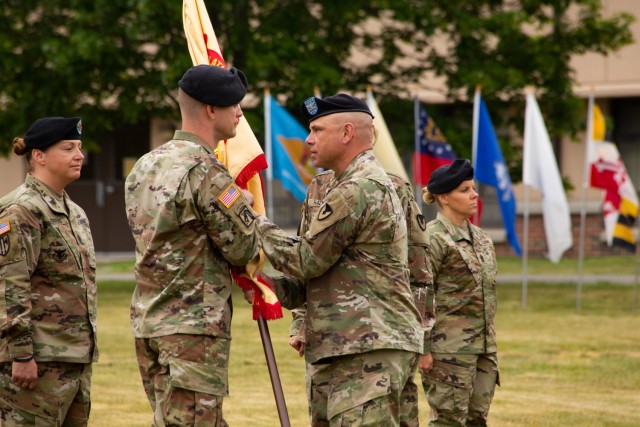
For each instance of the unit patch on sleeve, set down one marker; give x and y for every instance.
(246, 216)
(229, 196)
(325, 212)
(422, 221)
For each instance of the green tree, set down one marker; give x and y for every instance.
(117, 62)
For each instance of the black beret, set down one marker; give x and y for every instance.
(47, 131)
(448, 177)
(315, 107)
(213, 85)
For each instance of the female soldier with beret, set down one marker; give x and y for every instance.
(47, 285)
(461, 382)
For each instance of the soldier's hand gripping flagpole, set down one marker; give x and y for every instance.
(244, 159)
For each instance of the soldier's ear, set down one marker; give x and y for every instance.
(348, 132)
(38, 156)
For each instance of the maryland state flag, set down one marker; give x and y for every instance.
(620, 203)
(242, 155)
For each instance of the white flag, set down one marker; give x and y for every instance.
(540, 171)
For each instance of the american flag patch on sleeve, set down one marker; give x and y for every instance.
(5, 225)
(229, 196)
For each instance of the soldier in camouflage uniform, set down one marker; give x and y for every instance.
(190, 223)
(362, 329)
(47, 285)
(420, 279)
(461, 384)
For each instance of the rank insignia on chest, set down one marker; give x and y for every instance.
(229, 196)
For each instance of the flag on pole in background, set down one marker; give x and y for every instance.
(620, 204)
(384, 148)
(491, 169)
(541, 172)
(432, 149)
(290, 156)
(242, 155)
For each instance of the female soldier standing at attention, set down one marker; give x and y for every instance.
(47, 285)
(462, 379)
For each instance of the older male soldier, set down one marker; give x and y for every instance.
(420, 280)
(190, 223)
(362, 327)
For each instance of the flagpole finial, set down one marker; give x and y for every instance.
(267, 91)
(369, 89)
(529, 89)
(316, 91)
(478, 88)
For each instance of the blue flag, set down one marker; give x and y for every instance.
(490, 169)
(291, 160)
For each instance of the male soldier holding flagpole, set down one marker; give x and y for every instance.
(190, 223)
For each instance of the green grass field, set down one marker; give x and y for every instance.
(557, 367)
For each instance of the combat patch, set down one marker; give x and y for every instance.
(422, 221)
(246, 216)
(229, 196)
(5, 245)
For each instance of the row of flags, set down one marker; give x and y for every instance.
(289, 161)
(291, 165)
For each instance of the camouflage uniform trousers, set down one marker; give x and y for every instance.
(61, 397)
(185, 378)
(368, 389)
(460, 388)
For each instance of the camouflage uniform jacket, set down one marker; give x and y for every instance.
(190, 223)
(352, 260)
(464, 269)
(47, 277)
(420, 277)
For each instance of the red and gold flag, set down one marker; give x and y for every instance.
(242, 155)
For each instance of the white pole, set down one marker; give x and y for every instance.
(476, 120)
(525, 236)
(474, 143)
(268, 146)
(583, 207)
(525, 246)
